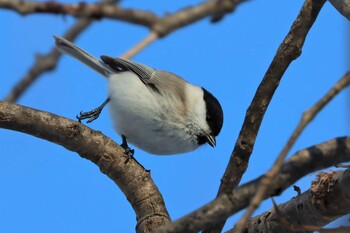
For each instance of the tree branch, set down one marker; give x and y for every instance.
(326, 201)
(82, 10)
(138, 47)
(160, 27)
(132, 179)
(189, 15)
(307, 117)
(317, 157)
(289, 50)
(342, 6)
(45, 63)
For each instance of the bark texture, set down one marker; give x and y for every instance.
(134, 181)
(326, 200)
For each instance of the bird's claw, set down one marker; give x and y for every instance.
(130, 155)
(91, 115)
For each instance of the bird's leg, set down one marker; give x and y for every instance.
(130, 153)
(93, 114)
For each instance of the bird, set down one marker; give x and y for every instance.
(156, 111)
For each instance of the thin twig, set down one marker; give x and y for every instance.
(45, 63)
(269, 177)
(289, 50)
(138, 47)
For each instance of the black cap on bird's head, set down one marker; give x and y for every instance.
(214, 118)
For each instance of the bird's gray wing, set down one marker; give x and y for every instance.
(146, 74)
(120, 64)
(67, 47)
(161, 82)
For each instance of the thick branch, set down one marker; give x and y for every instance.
(343, 6)
(131, 178)
(317, 157)
(327, 200)
(289, 50)
(307, 117)
(82, 10)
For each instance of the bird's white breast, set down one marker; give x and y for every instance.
(142, 116)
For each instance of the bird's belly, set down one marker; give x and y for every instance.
(149, 135)
(135, 114)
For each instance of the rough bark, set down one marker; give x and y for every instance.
(343, 6)
(289, 50)
(327, 200)
(317, 157)
(134, 181)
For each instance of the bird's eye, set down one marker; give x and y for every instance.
(209, 118)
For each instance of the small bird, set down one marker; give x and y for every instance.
(157, 111)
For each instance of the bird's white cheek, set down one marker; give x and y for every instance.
(197, 108)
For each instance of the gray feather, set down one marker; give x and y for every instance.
(120, 64)
(159, 81)
(67, 47)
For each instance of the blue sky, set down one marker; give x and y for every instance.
(45, 188)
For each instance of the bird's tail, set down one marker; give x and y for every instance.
(65, 46)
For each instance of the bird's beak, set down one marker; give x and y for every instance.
(211, 140)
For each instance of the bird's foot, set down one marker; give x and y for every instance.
(130, 153)
(91, 115)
